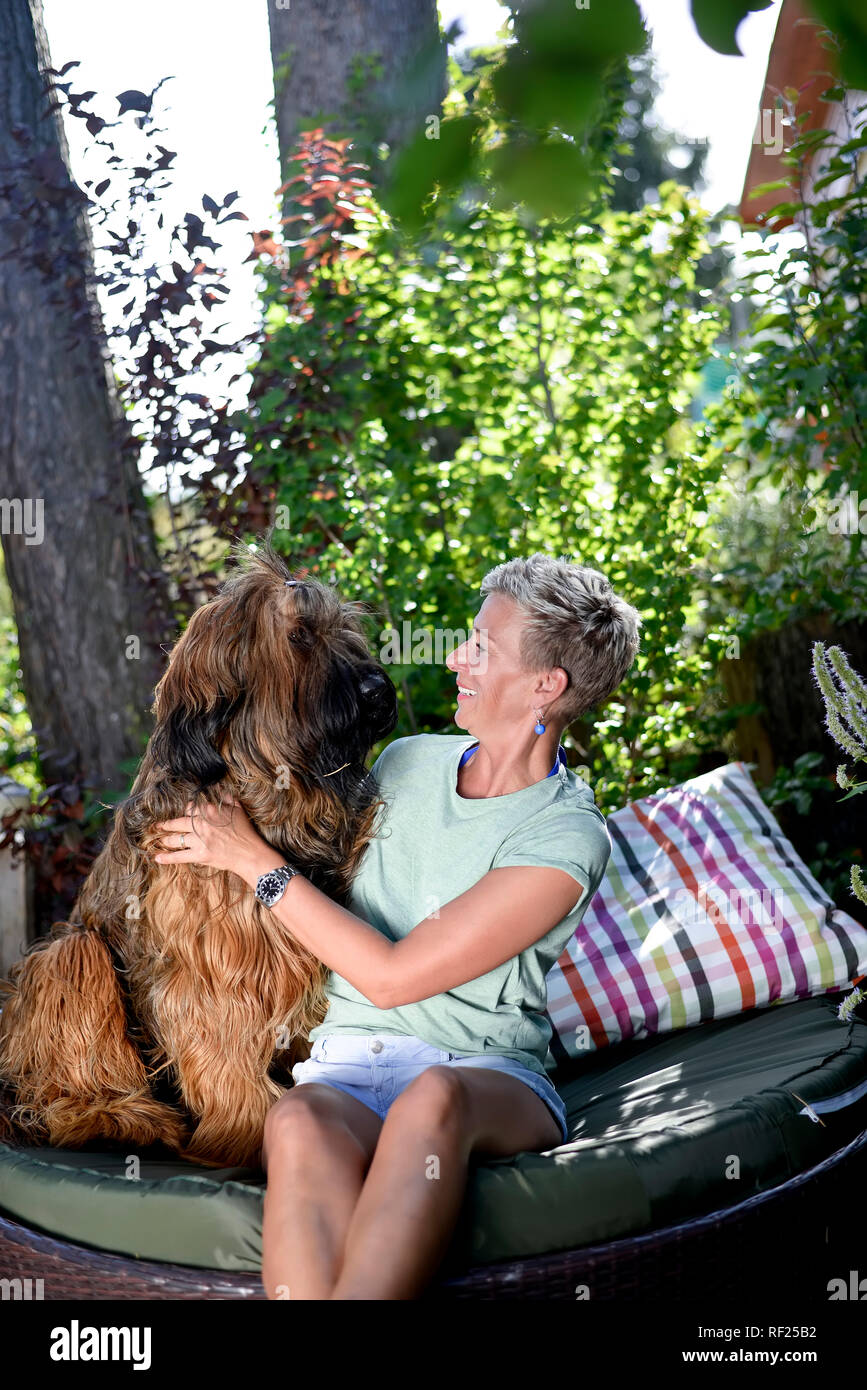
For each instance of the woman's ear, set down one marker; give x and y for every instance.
(185, 743)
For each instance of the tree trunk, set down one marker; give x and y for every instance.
(89, 594)
(775, 671)
(402, 75)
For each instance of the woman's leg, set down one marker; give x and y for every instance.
(411, 1199)
(317, 1148)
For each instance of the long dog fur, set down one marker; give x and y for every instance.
(171, 1007)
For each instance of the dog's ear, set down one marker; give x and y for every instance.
(199, 695)
(186, 742)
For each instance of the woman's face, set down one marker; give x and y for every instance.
(487, 664)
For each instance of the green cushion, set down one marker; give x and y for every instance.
(661, 1130)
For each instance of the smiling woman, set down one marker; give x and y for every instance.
(435, 1040)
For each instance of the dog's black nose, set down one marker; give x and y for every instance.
(380, 702)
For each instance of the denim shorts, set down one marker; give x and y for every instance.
(376, 1069)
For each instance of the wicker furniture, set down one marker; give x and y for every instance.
(787, 1240)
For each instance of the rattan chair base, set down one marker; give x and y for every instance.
(788, 1240)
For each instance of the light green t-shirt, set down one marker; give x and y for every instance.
(432, 846)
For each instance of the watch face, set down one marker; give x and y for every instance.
(271, 888)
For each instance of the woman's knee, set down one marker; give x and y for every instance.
(437, 1098)
(305, 1123)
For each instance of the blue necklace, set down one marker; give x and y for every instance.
(561, 758)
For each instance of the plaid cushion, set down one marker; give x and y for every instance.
(705, 910)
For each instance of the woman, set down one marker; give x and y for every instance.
(434, 1044)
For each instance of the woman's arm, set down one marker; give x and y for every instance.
(496, 919)
(505, 912)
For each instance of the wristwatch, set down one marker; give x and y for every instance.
(271, 886)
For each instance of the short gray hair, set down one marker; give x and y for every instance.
(573, 620)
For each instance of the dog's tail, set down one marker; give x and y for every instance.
(69, 1073)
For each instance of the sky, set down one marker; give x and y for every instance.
(217, 51)
(217, 116)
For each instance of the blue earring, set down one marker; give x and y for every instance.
(539, 727)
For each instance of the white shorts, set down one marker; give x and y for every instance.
(375, 1069)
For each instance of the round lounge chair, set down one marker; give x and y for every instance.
(721, 1160)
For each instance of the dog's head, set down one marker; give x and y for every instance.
(272, 678)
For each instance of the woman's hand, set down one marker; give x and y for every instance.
(222, 837)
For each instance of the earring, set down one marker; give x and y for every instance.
(539, 727)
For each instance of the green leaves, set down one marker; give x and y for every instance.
(568, 97)
(856, 790)
(717, 21)
(510, 382)
(769, 187)
(555, 30)
(800, 436)
(848, 20)
(561, 76)
(552, 176)
(440, 156)
(788, 521)
(813, 379)
(558, 81)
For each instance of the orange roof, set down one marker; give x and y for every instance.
(797, 59)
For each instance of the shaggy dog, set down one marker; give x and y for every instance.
(172, 1005)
